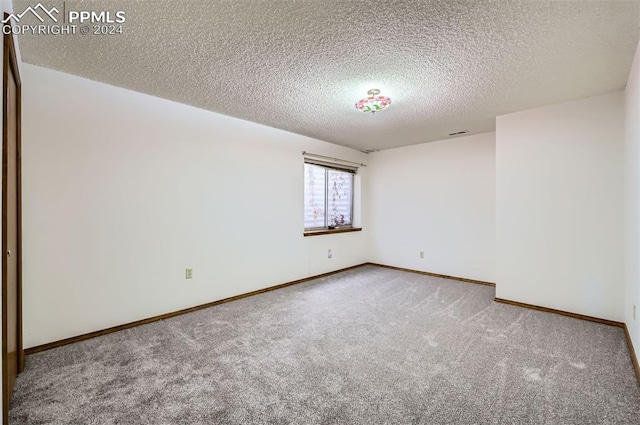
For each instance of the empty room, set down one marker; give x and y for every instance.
(321, 212)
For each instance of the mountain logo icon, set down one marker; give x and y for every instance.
(34, 10)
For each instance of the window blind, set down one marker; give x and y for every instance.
(314, 196)
(335, 166)
(328, 195)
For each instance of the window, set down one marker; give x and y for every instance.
(328, 196)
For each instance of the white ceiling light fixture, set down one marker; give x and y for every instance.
(374, 103)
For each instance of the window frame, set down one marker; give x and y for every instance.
(326, 229)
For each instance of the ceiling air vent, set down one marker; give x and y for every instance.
(369, 150)
(458, 133)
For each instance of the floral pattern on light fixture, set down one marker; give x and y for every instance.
(373, 103)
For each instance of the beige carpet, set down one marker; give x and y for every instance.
(366, 346)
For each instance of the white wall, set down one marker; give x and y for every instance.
(632, 206)
(123, 191)
(559, 206)
(438, 198)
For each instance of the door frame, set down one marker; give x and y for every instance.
(10, 60)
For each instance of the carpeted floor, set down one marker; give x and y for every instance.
(367, 346)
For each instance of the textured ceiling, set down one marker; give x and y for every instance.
(300, 65)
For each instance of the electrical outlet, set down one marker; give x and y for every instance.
(421, 254)
(329, 254)
(189, 273)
